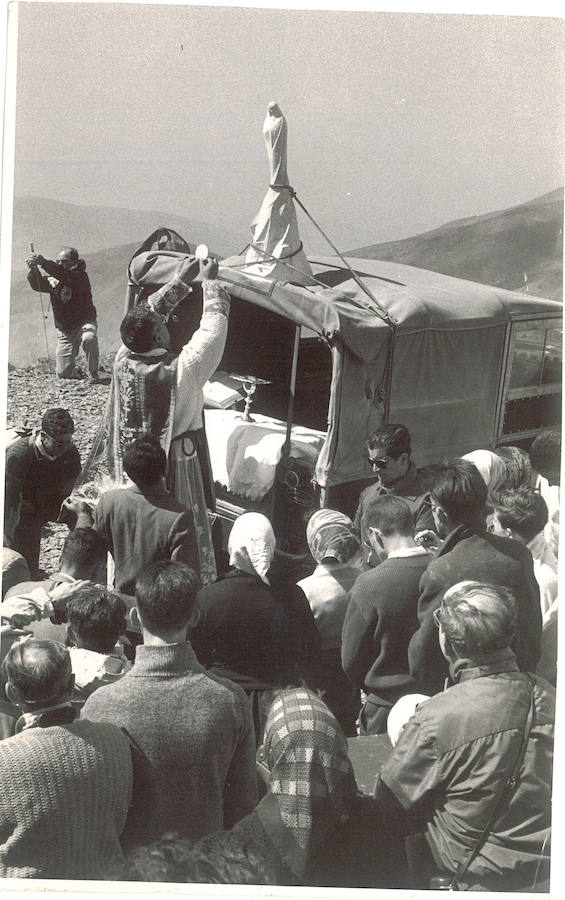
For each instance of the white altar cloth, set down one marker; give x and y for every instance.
(244, 455)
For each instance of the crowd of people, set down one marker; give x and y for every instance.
(189, 714)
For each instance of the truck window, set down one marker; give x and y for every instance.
(532, 385)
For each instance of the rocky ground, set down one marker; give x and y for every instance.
(34, 389)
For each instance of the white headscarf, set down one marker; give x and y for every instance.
(490, 466)
(251, 544)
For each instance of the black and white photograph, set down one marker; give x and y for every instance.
(282, 399)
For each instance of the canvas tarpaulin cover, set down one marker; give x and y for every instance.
(448, 344)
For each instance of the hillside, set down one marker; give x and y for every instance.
(103, 236)
(499, 248)
(50, 224)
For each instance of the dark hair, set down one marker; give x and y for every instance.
(57, 421)
(390, 514)
(394, 440)
(518, 467)
(70, 251)
(97, 618)
(545, 453)
(524, 510)
(460, 490)
(221, 858)
(84, 549)
(165, 595)
(478, 618)
(137, 328)
(145, 461)
(40, 671)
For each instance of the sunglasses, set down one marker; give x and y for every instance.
(65, 442)
(377, 463)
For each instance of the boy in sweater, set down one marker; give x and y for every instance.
(192, 731)
(382, 614)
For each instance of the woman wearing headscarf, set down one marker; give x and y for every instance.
(333, 545)
(250, 632)
(491, 467)
(312, 827)
(519, 471)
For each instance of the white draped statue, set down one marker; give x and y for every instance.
(275, 229)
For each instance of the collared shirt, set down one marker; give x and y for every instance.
(456, 752)
(408, 551)
(60, 714)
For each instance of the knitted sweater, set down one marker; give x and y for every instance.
(381, 618)
(195, 765)
(64, 801)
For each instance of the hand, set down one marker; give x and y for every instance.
(428, 539)
(208, 268)
(188, 269)
(76, 505)
(36, 259)
(61, 595)
(19, 612)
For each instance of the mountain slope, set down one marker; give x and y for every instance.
(501, 248)
(50, 224)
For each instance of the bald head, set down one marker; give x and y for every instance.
(38, 673)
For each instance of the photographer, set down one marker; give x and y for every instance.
(68, 286)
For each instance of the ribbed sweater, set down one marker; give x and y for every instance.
(64, 799)
(195, 765)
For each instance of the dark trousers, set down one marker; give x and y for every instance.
(373, 717)
(27, 541)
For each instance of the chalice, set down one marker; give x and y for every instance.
(249, 384)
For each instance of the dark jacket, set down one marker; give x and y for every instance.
(381, 618)
(71, 295)
(258, 636)
(453, 757)
(474, 554)
(142, 528)
(413, 488)
(44, 483)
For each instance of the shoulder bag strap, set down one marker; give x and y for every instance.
(506, 790)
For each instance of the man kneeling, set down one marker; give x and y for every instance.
(472, 768)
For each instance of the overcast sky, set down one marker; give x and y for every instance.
(397, 122)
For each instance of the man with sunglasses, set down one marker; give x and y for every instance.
(389, 455)
(43, 469)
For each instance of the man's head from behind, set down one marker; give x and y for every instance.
(459, 496)
(84, 555)
(145, 462)
(387, 520)
(38, 674)
(165, 595)
(389, 452)
(220, 858)
(97, 618)
(520, 514)
(57, 430)
(142, 329)
(475, 619)
(545, 456)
